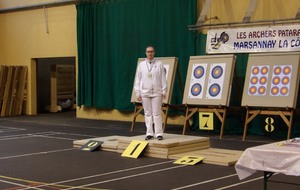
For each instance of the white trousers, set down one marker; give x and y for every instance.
(152, 110)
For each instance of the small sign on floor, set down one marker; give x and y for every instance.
(134, 149)
(189, 160)
(91, 145)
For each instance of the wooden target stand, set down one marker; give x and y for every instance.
(220, 112)
(206, 72)
(274, 66)
(139, 108)
(286, 115)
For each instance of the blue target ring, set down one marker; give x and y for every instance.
(217, 72)
(198, 72)
(214, 90)
(196, 89)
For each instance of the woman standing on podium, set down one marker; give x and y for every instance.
(151, 88)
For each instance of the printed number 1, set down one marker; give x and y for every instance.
(136, 146)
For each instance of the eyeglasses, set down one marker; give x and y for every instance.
(149, 51)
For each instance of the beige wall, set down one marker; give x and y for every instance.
(24, 36)
(265, 9)
(234, 10)
(18, 3)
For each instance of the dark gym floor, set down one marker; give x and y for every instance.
(36, 152)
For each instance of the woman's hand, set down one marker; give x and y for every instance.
(139, 98)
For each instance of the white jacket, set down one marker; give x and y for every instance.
(150, 79)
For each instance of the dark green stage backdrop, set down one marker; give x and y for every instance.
(113, 34)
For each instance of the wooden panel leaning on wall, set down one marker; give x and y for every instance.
(13, 82)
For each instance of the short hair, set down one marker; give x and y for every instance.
(151, 46)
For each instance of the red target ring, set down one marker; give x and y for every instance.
(254, 80)
(214, 89)
(284, 91)
(277, 70)
(285, 80)
(261, 90)
(276, 80)
(264, 70)
(263, 80)
(252, 90)
(196, 89)
(217, 72)
(255, 70)
(198, 72)
(287, 70)
(275, 90)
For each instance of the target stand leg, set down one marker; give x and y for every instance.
(165, 110)
(221, 115)
(250, 115)
(287, 121)
(290, 124)
(222, 118)
(137, 110)
(187, 117)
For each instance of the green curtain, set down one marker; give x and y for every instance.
(113, 34)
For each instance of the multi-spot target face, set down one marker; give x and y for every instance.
(209, 80)
(258, 80)
(281, 80)
(271, 80)
(170, 65)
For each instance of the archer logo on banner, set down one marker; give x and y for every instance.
(216, 42)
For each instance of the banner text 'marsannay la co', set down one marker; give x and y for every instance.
(265, 42)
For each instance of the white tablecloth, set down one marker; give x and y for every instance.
(282, 157)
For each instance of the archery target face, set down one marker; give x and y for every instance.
(208, 80)
(272, 80)
(281, 78)
(258, 80)
(215, 81)
(280, 81)
(197, 81)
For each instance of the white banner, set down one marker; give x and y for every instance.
(259, 39)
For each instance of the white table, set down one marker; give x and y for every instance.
(281, 157)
